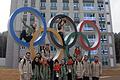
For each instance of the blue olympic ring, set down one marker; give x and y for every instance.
(38, 14)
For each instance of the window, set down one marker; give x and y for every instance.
(76, 18)
(52, 48)
(93, 52)
(106, 3)
(108, 23)
(76, 1)
(100, 1)
(102, 27)
(22, 47)
(89, 16)
(26, 3)
(102, 17)
(65, 1)
(88, 27)
(42, 5)
(53, 1)
(33, 3)
(102, 22)
(104, 49)
(105, 60)
(53, 14)
(89, 1)
(88, 6)
(100, 6)
(32, 19)
(25, 12)
(53, 6)
(43, 14)
(91, 36)
(42, 0)
(76, 15)
(65, 6)
(24, 17)
(103, 39)
(76, 6)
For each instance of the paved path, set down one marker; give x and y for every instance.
(110, 78)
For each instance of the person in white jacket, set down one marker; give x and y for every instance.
(96, 68)
(87, 68)
(78, 66)
(25, 67)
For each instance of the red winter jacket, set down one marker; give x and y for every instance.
(77, 52)
(57, 68)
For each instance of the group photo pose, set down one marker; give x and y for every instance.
(79, 68)
(69, 60)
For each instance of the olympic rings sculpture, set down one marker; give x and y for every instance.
(62, 44)
(11, 28)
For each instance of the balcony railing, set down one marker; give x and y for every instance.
(89, 18)
(89, 8)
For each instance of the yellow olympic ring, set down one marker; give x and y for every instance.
(59, 54)
(31, 48)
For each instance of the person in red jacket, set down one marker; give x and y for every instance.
(70, 69)
(56, 70)
(77, 51)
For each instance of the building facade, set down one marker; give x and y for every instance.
(3, 42)
(96, 10)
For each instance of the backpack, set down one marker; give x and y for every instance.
(24, 62)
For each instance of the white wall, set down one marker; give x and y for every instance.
(2, 61)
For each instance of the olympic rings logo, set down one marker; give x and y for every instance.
(11, 21)
(60, 43)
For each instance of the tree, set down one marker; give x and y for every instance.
(117, 46)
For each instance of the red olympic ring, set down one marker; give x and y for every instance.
(97, 33)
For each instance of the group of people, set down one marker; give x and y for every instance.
(46, 69)
(42, 67)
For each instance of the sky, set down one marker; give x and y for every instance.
(5, 11)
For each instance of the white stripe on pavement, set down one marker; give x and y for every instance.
(105, 76)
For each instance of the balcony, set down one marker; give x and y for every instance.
(89, 18)
(103, 29)
(76, 7)
(42, 8)
(101, 18)
(100, 1)
(92, 40)
(65, 8)
(88, 29)
(101, 8)
(88, 1)
(89, 8)
(53, 8)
